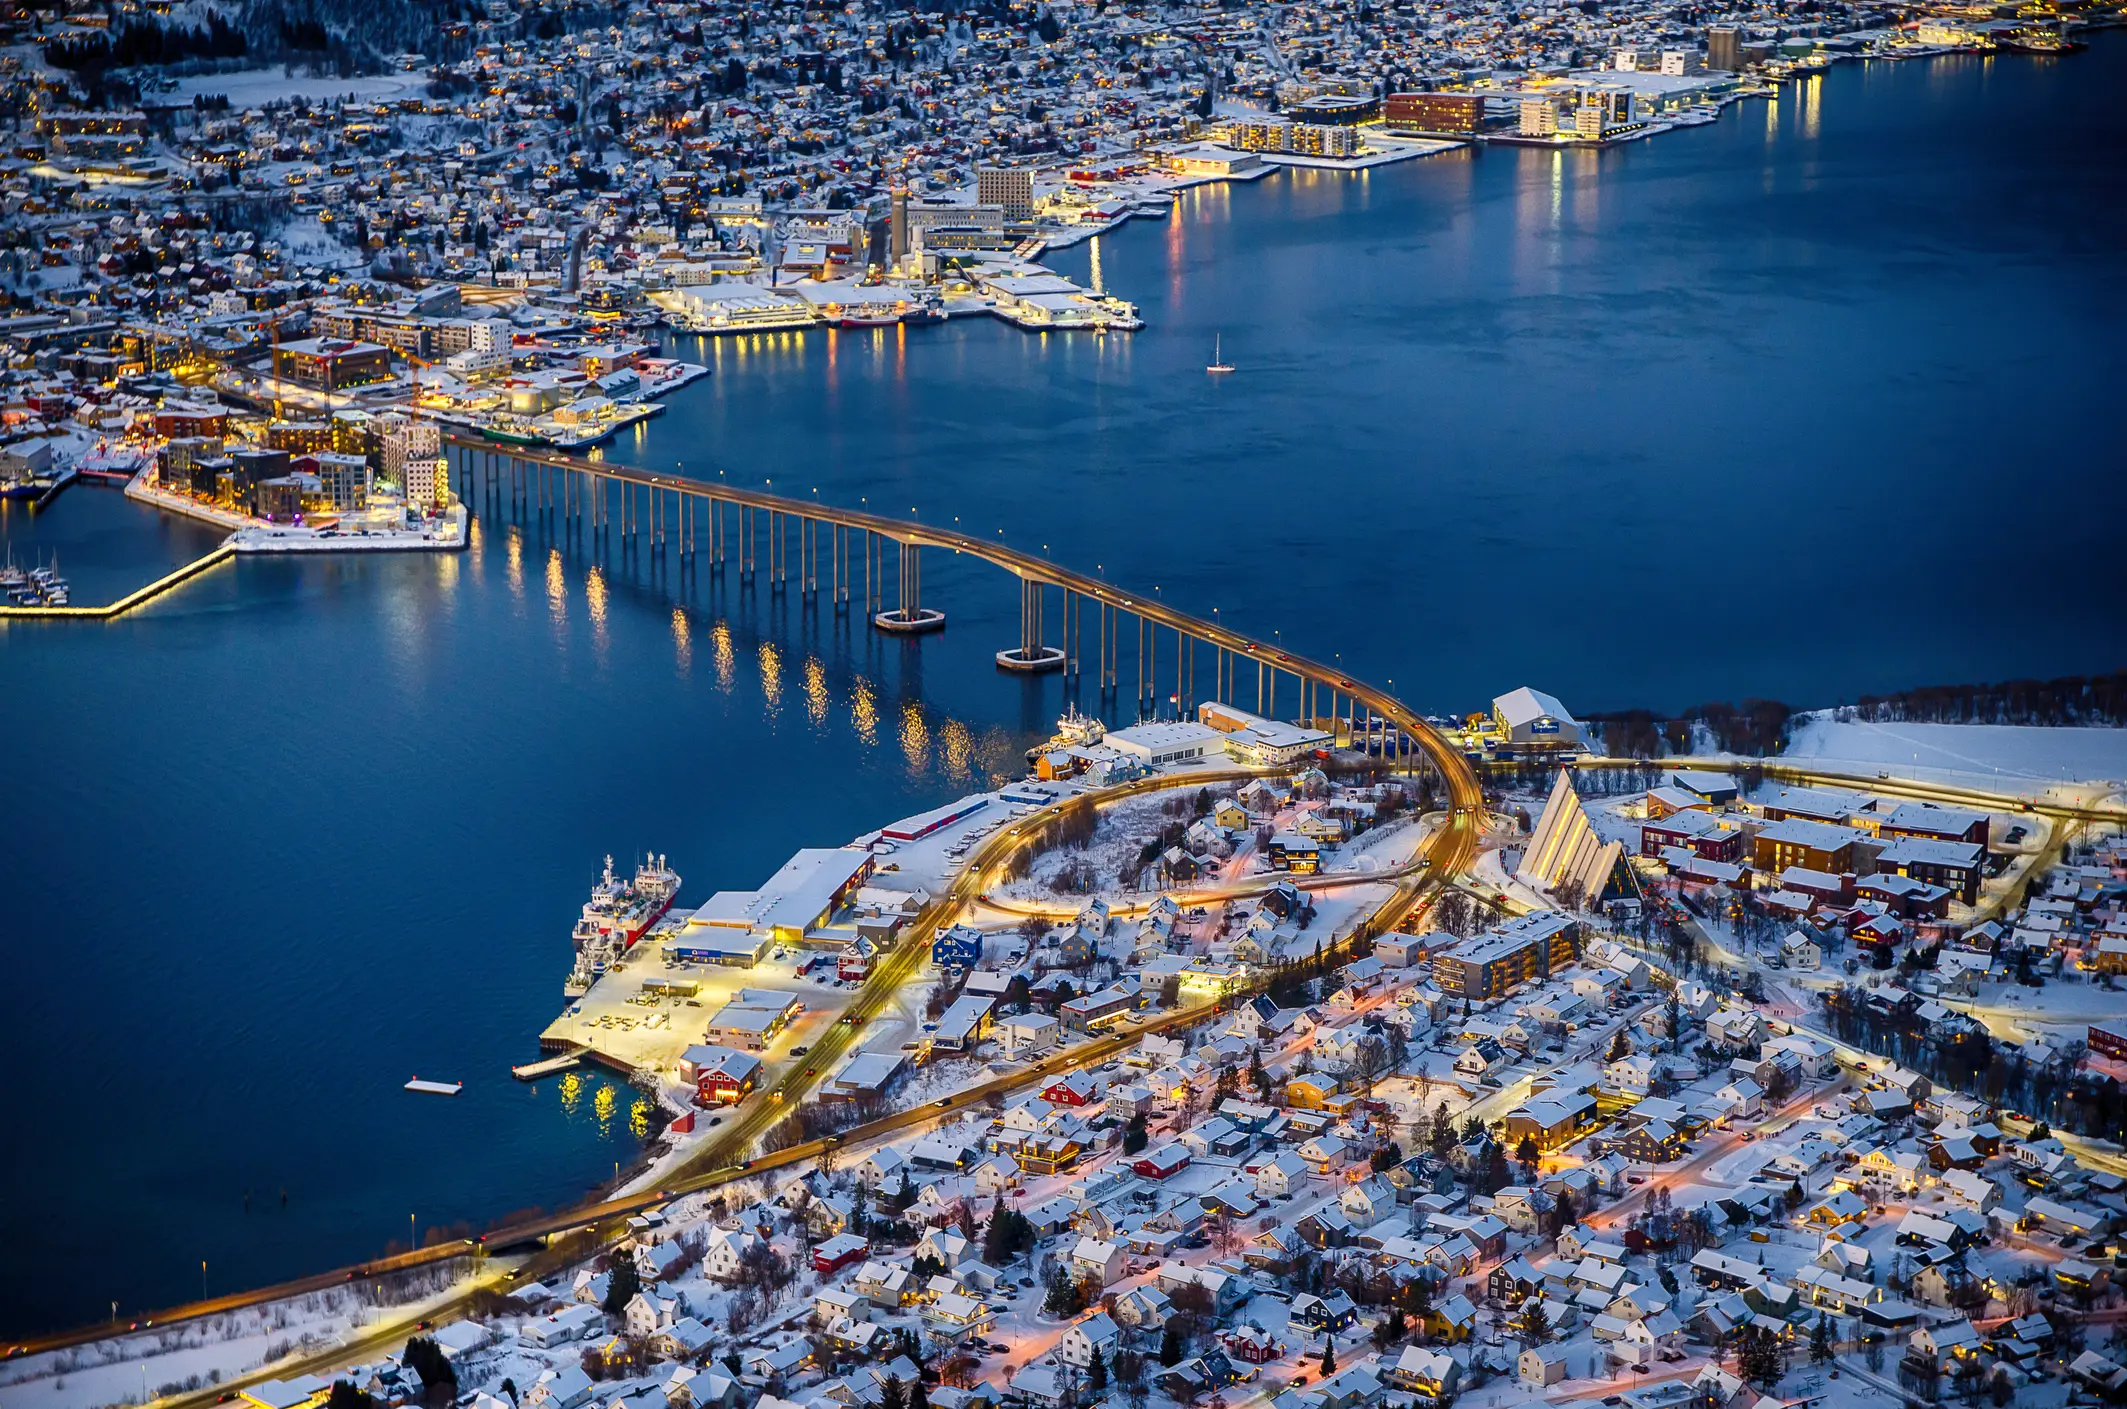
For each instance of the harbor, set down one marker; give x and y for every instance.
(769, 972)
(386, 527)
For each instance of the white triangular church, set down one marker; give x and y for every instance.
(1565, 847)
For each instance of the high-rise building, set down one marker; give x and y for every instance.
(426, 480)
(413, 438)
(1724, 48)
(345, 479)
(1010, 187)
(1539, 116)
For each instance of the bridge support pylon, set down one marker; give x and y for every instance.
(1031, 657)
(911, 617)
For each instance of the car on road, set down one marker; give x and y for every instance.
(942, 1102)
(799, 1051)
(716, 1120)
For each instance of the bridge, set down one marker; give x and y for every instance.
(717, 526)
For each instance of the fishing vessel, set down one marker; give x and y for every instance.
(1073, 730)
(615, 917)
(1218, 359)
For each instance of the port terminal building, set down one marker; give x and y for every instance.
(751, 1020)
(1258, 742)
(735, 927)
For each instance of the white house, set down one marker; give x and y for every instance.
(1093, 1258)
(725, 1252)
(1280, 1175)
(1082, 1340)
(1028, 1035)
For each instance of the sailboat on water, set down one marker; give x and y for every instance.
(1218, 360)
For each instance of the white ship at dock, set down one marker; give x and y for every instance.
(615, 916)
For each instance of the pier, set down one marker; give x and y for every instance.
(221, 553)
(549, 1066)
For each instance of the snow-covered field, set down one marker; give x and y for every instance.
(254, 88)
(2003, 754)
(199, 1352)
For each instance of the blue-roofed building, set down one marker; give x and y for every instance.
(959, 946)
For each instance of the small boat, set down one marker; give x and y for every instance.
(435, 1088)
(1218, 361)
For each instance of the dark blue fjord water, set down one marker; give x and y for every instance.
(1815, 401)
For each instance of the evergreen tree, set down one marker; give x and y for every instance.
(1534, 1325)
(1170, 1346)
(1134, 1136)
(1097, 1374)
(1329, 1357)
(622, 1283)
(1820, 1339)
(997, 1238)
(427, 1360)
(918, 1396)
(345, 1396)
(892, 1393)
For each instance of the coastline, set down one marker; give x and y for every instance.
(497, 570)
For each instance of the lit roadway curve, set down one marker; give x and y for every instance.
(1447, 854)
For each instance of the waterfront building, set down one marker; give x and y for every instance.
(1335, 109)
(1260, 742)
(1315, 139)
(1160, 744)
(796, 900)
(1011, 189)
(345, 479)
(1724, 48)
(1450, 114)
(1530, 719)
(404, 438)
(720, 1075)
(178, 457)
(1207, 159)
(426, 481)
(1539, 115)
(751, 1020)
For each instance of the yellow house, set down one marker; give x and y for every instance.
(1308, 1093)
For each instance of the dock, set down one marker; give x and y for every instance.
(435, 1088)
(532, 1071)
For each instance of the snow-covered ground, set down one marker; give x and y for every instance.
(1999, 755)
(201, 1352)
(254, 88)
